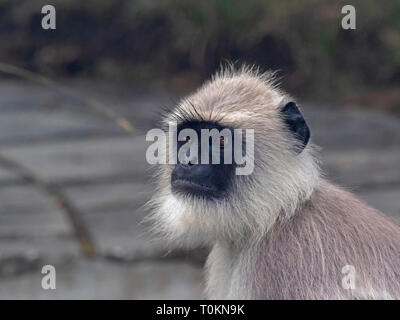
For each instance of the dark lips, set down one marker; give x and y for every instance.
(186, 186)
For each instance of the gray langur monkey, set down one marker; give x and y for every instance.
(282, 232)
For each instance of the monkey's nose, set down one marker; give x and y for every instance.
(196, 173)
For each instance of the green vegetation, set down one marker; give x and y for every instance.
(180, 39)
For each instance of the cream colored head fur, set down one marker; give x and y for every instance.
(281, 181)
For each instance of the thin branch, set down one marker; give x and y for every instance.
(82, 233)
(94, 104)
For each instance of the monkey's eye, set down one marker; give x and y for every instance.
(187, 139)
(221, 142)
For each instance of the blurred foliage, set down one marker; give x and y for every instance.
(185, 41)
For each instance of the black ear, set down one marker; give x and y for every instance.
(296, 123)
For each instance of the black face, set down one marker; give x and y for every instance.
(209, 180)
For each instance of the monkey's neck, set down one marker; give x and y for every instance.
(261, 229)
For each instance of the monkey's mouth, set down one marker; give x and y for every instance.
(181, 186)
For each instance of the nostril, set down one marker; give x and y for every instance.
(191, 161)
(188, 164)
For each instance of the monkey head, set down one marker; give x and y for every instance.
(271, 167)
(192, 177)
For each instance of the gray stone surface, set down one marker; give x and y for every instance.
(102, 171)
(73, 161)
(81, 279)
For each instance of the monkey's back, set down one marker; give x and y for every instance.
(333, 239)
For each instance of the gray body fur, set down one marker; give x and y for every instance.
(283, 232)
(303, 257)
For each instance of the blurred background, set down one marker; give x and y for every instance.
(77, 101)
